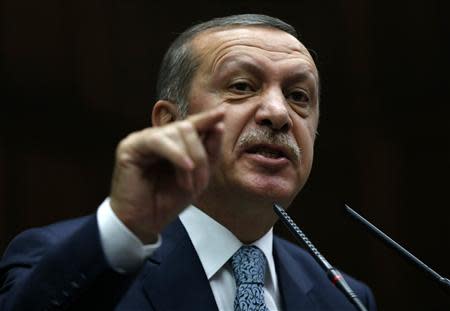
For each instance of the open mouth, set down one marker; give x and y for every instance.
(268, 152)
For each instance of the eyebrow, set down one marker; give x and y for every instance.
(301, 76)
(237, 63)
(298, 75)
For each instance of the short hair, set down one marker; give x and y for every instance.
(179, 63)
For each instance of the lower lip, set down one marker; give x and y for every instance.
(266, 161)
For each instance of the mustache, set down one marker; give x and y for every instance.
(265, 135)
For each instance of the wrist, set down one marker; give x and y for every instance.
(135, 223)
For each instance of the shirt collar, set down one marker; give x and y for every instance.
(215, 244)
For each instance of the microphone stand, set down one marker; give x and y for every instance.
(334, 275)
(443, 282)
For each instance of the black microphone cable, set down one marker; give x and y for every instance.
(334, 275)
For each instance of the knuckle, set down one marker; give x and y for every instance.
(169, 131)
(123, 150)
(186, 127)
(123, 145)
(128, 146)
(200, 156)
(150, 136)
(123, 158)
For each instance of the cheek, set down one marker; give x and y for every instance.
(305, 135)
(200, 100)
(197, 105)
(237, 118)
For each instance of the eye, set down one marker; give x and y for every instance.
(298, 97)
(241, 87)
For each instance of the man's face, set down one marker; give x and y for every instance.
(269, 84)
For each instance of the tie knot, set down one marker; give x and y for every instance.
(249, 265)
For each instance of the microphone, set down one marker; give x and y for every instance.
(444, 283)
(334, 275)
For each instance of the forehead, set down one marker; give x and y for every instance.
(213, 45)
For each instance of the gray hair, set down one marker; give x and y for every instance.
(179, 64)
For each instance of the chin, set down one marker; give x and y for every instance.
(270, 189)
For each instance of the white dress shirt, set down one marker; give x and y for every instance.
(214, 245)
(123, 250)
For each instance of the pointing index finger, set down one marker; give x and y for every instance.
(206, 120)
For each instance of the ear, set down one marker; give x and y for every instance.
(164, 112)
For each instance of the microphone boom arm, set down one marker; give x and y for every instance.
(443, 282)
(334, 275)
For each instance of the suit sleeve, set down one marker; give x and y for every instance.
(43, 271)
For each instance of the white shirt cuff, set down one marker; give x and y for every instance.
(123, 250)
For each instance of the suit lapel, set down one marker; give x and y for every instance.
(293, 282)
(174, 277)
(175, 280)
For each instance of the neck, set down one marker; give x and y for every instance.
(248, 219)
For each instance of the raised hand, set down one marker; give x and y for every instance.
(160, 170)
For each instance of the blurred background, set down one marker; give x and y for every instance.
(77, 76)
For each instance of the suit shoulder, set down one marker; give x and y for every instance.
(303, 257)
(299, 254)
(294, 250)
(58, 230)
(305, 263)
(32, 238)
(66, 227)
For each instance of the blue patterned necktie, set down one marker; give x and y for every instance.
(249, 265)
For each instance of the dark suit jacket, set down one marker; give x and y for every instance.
(62, 266)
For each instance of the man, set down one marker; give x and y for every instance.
(233, 132)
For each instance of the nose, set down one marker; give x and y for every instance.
(273, 112)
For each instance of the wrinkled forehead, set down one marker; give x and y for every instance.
(213, 44)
